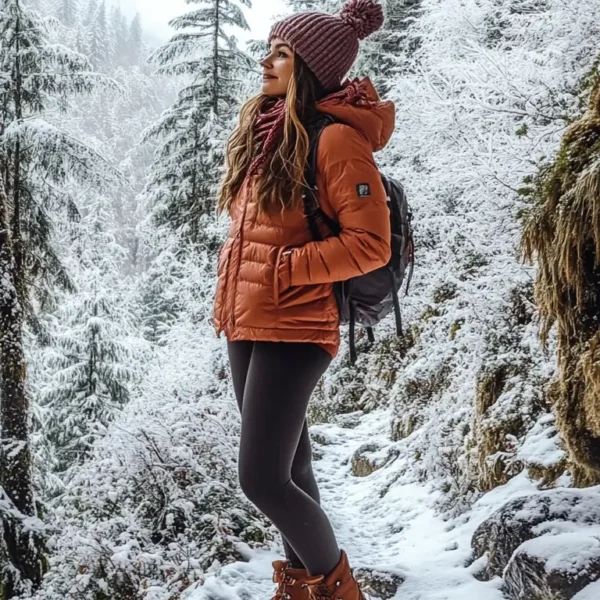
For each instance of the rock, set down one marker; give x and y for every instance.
(403, 426)
(349, 420)
(526, 518)
(382, 584)
(320, 438)
(554, 566)
(362, 464)
(317, 454)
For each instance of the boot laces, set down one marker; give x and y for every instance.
(322, 592)
(284, 580)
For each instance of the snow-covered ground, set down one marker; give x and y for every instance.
(399, 533)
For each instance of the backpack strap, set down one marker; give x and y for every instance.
(412, 262)
(312, 210)
(396, 304)
(351, 332)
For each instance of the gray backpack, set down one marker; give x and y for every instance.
(368, 298)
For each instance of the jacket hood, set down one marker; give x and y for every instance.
(358, 104)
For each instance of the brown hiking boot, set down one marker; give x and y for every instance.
(337, 585)
(290, 581)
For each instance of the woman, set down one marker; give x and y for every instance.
(274, 297)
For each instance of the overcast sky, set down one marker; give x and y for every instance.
(156, 14)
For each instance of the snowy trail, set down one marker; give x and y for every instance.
(398, 533)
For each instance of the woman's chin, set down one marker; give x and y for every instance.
(272, 88)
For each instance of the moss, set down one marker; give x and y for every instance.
(562, 231)
(456, 325)
(547, 476)
(390, 350)
(577, 409)
(522, 130)
(428, 312)
(489, 388)
(492, 432)
(423, 389)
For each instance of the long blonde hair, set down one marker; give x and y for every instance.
(282, 179)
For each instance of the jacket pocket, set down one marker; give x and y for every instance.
(276, 277)
(280, 284)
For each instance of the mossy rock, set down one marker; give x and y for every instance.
(519, 520)
(432, 384)
(547, 475)
(403, 426)
(349, 420)
(562, 231)
(362, 464)
(578, 411)
(495, 430)
(536, 574)
(381, 584)
(390, 353)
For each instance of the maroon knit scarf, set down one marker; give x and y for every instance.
(268, 125)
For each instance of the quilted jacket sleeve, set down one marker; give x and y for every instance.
(355, 191)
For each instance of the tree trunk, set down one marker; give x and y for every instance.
(23, 548)
(215, 90)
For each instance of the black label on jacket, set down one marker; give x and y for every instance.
(363, 190)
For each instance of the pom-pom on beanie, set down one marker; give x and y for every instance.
(328, 44)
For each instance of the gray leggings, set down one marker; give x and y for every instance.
(273, 383)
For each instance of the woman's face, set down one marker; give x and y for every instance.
(278, 68)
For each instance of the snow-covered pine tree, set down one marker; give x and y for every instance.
(67, 12)
(390, 51)
(89, 13)
(328, 6)
(134, 45)
(162, 306)
(502, 21)
(98, 47)
(119, 33)
(90, 357)
(302, 5)
(36, 158)
(182, 184)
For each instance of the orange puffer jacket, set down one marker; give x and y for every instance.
(274, 282)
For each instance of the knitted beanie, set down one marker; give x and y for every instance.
(328, 44)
